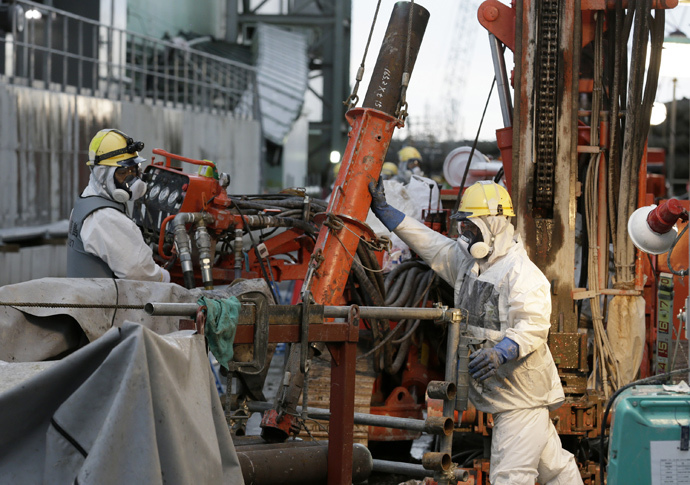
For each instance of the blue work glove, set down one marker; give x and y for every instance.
(485, 362)
(387, 214)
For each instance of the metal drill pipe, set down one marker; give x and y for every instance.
(171, 309)
(386, 78)
(414, 471)
(298, 464)
(392, 313)
(441, 390)
(438, 425)
(436, 461)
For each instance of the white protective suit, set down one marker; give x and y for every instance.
(506, 295)
(115, 238)
(420, 194)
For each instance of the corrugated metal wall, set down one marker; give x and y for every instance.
(30, 263)
(44, 140)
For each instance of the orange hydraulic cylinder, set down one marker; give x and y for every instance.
(347, 211)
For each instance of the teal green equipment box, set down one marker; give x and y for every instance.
(649, 441)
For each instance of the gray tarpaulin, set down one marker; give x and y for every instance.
(46, 331)
(130, 407)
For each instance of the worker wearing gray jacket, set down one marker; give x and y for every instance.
(102, 241)
(508, 302)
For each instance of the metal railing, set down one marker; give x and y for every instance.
(63, 52)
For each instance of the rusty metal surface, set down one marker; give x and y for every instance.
(327, 332)
(342, 408)
(580, 417)
(436, 461)
(399, 403)
(296, 462)
(569, 350)
(369, 139)
(548, 234)
(499, 19)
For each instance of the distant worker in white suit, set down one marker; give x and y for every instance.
(508, 302)
(409, 164)
(103, 242)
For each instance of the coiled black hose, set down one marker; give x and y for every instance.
(406, 289)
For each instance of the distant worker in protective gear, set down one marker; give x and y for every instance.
(389, 170)
(508, 302)
(103, 242)
(409, 164)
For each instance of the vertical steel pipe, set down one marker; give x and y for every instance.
(453, 336)
(502, 83)
(463, 377)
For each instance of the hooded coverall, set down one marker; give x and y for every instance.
(113, 237)
(506, 295)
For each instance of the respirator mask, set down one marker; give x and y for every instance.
(414, 168)
(472, 235)
(128, 185)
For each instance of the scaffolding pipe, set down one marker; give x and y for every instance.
(392, 313)
(414, 471)
(444, 476)
(435, 425)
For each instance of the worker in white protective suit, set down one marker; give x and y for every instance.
(103, 242)
(509, 306)
(409, 161)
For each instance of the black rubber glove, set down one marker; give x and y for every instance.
(386, 213)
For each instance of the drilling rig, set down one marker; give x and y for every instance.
(574, 155)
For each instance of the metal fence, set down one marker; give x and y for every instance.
(51, 49)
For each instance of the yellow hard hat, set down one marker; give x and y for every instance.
(409, 153)
(485, 198)
(113, 148)
(389, 169)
